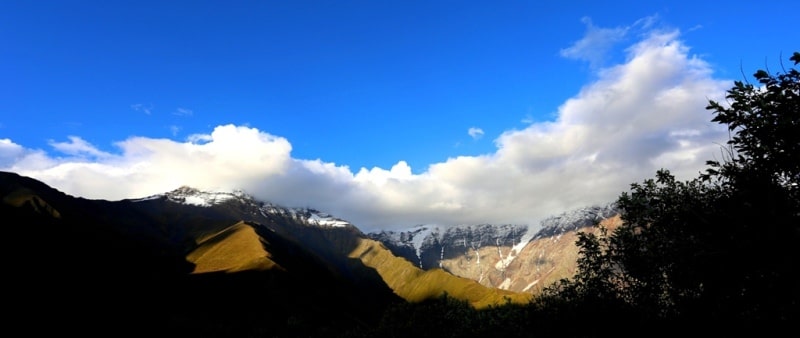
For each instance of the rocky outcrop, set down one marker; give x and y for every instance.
(511, 257)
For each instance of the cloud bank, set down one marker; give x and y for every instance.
(636, 117)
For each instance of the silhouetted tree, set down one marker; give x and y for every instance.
(719, 249)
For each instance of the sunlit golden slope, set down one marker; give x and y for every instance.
(414, 284)
(235, 248)
(239, 248)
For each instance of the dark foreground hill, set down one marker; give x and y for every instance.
(188, 263)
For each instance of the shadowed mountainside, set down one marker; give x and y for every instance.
(233, 268)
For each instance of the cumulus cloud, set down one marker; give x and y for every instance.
(475, 133)
(10, 152)
(146, 166)
(639, 116)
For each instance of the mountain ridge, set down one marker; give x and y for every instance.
(514, 257)
(179, 263)
(482, 252)
(492, 254)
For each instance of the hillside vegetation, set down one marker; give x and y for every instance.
(415, 285)
(714, 255)
(235, 248)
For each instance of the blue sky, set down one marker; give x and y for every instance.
(387, 113)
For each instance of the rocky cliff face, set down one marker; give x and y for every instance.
(512, 257)
(429, 246)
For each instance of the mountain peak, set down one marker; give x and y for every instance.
(193, 196)
(208, 198)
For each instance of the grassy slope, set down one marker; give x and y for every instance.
(240, 248)
(235, 248)
(414, 284)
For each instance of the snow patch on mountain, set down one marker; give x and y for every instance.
(195, 197)
(191, 196)
(429, 244)
(307, 216)
(326, 220)
(529, 286)
(427, 240)
(515, 250)
(527, 237)
(416, 237)
(555, 226)
(505, 284)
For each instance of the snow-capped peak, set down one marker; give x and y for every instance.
(193, 196)
(196, 197)
(321, 218)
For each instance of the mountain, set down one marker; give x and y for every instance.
(512, 257)
(199, 263)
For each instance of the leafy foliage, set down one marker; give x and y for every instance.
(717, 249)
(764, 120)
(714, 253)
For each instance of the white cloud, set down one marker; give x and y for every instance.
(199, 138)
(595, 44)
(10, 152)
(147, 109)
(475, 133)
(78, 147)
(635, 118)
(528, 119)
(183, 112)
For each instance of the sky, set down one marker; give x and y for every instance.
(387, 114)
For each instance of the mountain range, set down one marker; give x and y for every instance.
(200, 263)
(513, 257)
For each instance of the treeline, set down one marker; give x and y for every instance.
(717, 254)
